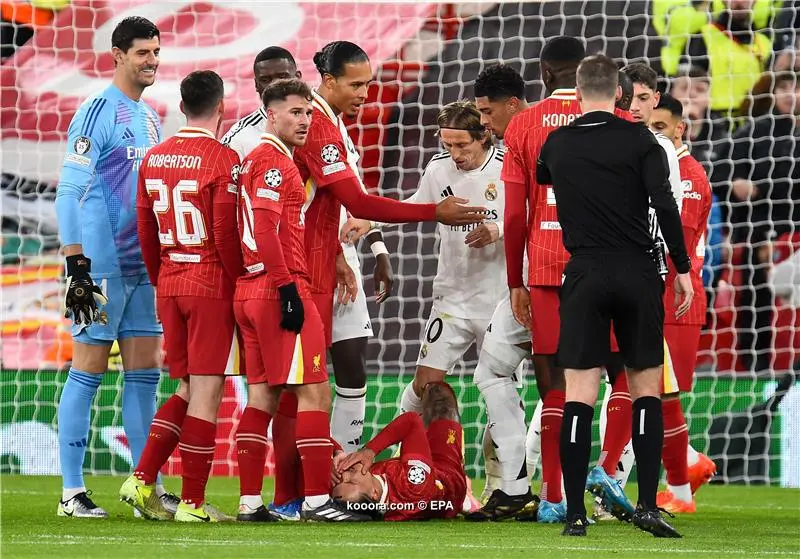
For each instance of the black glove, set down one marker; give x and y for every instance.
(82, 295)
(292, 311)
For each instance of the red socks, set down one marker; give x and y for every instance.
(251, 449)
(618, 425)
(552, 416)
(197, 455)
(164, 434)
(288, 477)
(676, 443)
(315, 448)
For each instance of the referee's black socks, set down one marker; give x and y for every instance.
(576, 446)
(648, 437)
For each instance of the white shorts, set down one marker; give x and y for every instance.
(352, 320)
(447, 339)
(504, 328)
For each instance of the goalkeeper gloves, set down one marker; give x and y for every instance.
(292, 313)
(82, 295)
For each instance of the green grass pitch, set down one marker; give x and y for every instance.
(731, 522)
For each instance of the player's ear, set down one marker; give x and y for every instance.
(117, 53)
(656, 97)
(298, 74)
(618, 96)
(578, 94)
(181, 107)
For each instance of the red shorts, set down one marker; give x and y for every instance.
(546, 322)
(199, 335)
(276, 356)
(680, 355)
(445, 437)
(324, 303)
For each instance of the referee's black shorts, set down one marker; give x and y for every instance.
(603, 287)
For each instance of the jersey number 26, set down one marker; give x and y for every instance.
(190, 228)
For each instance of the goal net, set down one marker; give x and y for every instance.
(744, 408)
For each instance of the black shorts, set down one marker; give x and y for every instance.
(599, 289)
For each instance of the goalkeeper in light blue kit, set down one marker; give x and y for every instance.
(108, 293)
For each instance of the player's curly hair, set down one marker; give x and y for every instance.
(463, 115)
(499, 82)
(279, 90)
(333, 57)
(132, 28)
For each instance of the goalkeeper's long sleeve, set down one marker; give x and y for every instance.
(406, 429)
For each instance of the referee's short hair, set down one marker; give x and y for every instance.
(597, 78)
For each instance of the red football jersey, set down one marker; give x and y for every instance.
(411, 479)
(270, 180)
(694, 216)
(182, 180)
(524, 138)
(322, 161)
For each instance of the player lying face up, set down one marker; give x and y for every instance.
(426, 481)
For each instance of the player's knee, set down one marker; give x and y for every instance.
(184, 390)
(439, 402)
(645, 382)
(493, 371)
(90, 358)
(259, 397)
(315, 396)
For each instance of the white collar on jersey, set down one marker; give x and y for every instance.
(321, 104)
(683, 151)
(272, 139)
(194, 132)
(384, 489)
(565, 93)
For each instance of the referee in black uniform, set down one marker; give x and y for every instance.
(605, 172)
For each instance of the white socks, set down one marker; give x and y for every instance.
(67, 494)
(682, 492)
(533, 441)
(347, 417)
(507, 429)
(409, 401)
(251, 501)
(692, 456)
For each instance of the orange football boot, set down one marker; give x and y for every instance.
(701, 473)
(667, 501)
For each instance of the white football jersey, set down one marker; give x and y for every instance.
(674, 181)
(469, 282)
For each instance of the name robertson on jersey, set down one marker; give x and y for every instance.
(557, 119)
(169, 161)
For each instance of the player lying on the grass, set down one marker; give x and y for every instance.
(283, 332)
(427, 480)
(96, 207)
(187, 228)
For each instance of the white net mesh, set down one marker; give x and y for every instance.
(424, 55)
